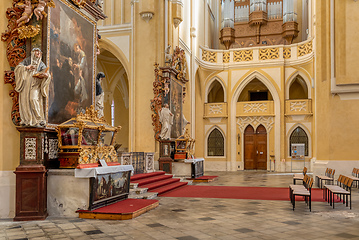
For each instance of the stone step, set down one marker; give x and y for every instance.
(133, 185)
(138, 190)
(146, 195)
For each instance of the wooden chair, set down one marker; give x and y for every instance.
(300, 176)
(329, 176)
(304, 190)
(355, 177)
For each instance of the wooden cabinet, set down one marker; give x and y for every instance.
(31, 193)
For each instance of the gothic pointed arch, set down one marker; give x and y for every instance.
(299, 134)
(116, 87)
(268, 121)
(298, 86)
(215, 91)
(215, 142)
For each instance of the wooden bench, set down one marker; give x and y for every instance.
(304, 190)
(300, 176)
(341, 189)
(329, 176)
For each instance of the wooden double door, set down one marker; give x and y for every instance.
(255, 148)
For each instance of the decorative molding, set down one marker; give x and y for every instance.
(126, 159)
(150, 164)
(255, 121)
(53, 148)
(298, 106)
(287, 53)
(30, 148)
(255, 107)
(345, 92)
(215, 109)
(268, 53)
(177, 22)
(209, 56)
(226, 57)
(305, 49)
(147, 16)
(243, 55)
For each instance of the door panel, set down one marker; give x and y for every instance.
(249, 148)
(261, 142)
(255, 148)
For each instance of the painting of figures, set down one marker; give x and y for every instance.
(71, 37)
(106, 186)
(176, 108)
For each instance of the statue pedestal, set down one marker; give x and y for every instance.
(37, 147)
(31, 196)
(165, 161)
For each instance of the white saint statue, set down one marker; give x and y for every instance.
(32, 84)
(166, 118)
(184, 124)
(99, 94)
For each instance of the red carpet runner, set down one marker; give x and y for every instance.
(255, 193)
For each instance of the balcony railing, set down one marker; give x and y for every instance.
(215, 110)
(298, 107)
(255, 108)
(257, 54)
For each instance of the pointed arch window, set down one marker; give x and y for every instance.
(299, 136)
(215, 146)
(216, 93)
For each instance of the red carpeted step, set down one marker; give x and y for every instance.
(146, 181)
(160, 183)
(169, 187)
(146, 175)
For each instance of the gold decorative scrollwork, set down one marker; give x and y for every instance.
(226, 57)
(209, 56)
(79, 3)
(28, 31)
(243, 55)
(92, 155)
(305, 49)
(268, 53)
(91, 114)
(287, 53)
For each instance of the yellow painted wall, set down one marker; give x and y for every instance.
(337, 119)
(9, 136)
(147, 52)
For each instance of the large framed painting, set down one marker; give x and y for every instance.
(109, 188)
(176, 94)
(72, 59)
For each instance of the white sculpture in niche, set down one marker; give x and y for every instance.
(99, 94)
(166, 119)
(32, 84)
(168, 56)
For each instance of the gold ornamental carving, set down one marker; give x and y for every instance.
(91, 115)
(209, 56)
(305, 49)
(287, 53)
(28, 31)
(268, 53)
(226, 57)
(243, 55)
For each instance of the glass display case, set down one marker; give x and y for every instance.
(86, 139)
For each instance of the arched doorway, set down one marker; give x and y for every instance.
(116, 88)
(255, 148)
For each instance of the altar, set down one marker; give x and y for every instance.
(192, 168)
(69, 190)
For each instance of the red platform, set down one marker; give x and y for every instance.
(123, 210)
